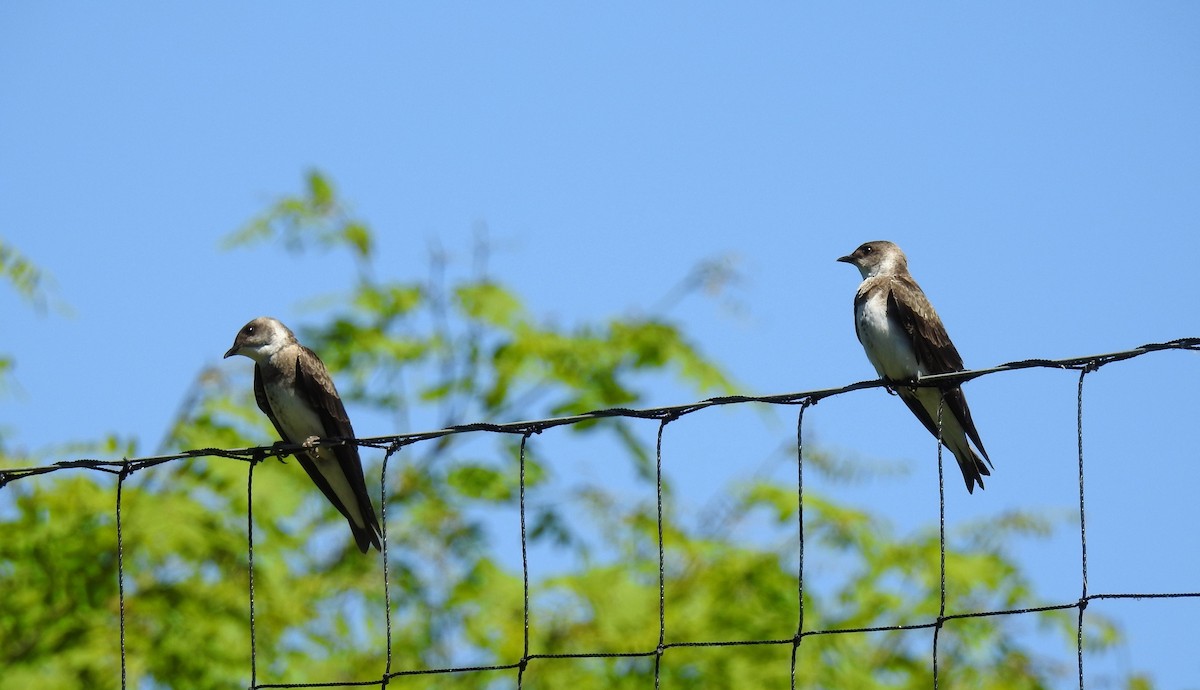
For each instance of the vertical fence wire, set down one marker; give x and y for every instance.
(121, 570)
(941, 617)
(524, 570)
(1083, 596)
(387, 593)
(800, 536)
(662, 570)
(250, 570)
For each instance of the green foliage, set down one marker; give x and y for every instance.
(31, 284)
(449, 350)
(317, 217)
(22, 275)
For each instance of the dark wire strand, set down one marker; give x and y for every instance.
(250, 571)
(662, 569)
(941, 617)
(387, 594)
(800, 536)
(524, 571)
(1083, 597)
(121, 571)
(1090, 362)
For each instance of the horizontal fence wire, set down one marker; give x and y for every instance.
(665, 415)
(1086, 363)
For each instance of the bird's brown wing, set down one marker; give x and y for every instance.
(314, 384)
(309, 465)
(912, 310)
(909, 306)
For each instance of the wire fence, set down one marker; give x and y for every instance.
(1085, 365)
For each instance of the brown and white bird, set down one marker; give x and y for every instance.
(904, 338)
(293, 388)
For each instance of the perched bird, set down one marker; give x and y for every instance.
(905, 340)
(293, 388)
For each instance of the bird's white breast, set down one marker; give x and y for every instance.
(294, 414)
(885, 342)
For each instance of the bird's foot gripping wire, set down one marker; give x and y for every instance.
(279, 456)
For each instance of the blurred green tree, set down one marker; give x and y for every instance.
(446, 351)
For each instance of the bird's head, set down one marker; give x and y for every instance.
(876, 258)
(261, 338)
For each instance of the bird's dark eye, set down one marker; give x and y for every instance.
(249, 330)
(867, 249)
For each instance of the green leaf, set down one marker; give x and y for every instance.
(320, 191)
(481, 482)
(489, 303)
(358, 237)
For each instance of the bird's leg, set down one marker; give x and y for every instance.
(890, 385)
(275, 446)
(311, 441)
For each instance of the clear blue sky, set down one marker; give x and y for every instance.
(1040, 164)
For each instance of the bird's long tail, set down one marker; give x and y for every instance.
(974, 469)
(366, 537)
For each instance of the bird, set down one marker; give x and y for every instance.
(905, 339)
(294, 389)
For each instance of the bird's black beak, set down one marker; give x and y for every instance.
(232, 352)
(846, 259)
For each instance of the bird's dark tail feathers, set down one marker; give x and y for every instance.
(974, 469)
(366, 537)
